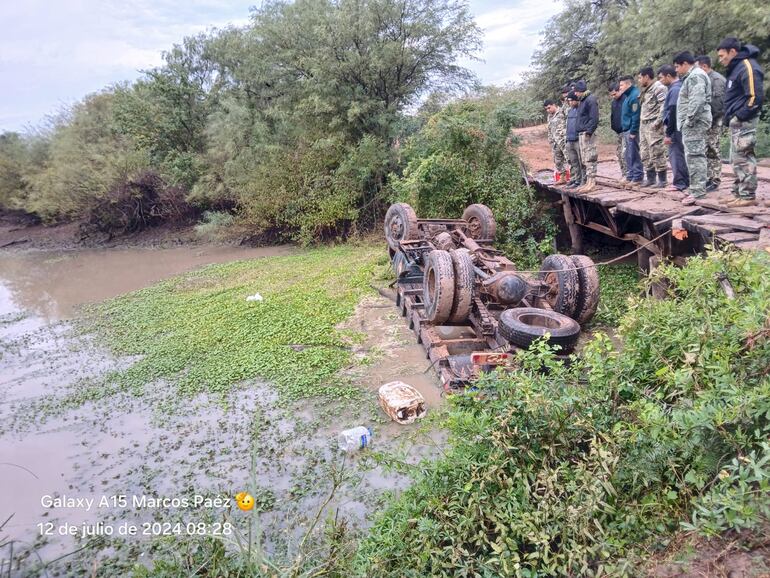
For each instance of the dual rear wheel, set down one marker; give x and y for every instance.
(448, 286)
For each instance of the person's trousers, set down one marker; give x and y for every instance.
(588, 154)
(743, 138)
(576, 165)
(558, 157)
(620, 151)
(694, 140)
(633, 160)
(681, 178)
(651, 147)
(713, 155)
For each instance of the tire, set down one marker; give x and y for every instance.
(481, 222)
(559, 272)
(523, 325)
(438, 286)
(400, 224)
(464, 285)
(588, 296)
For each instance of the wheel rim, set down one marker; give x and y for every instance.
(397, 228)
(431, 286)
(553, 287)
(474, 227)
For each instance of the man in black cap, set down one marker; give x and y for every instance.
(743, 103)
(573, 147)
(681, 178)
(587, 123)
(616, 123)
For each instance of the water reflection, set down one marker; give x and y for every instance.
(52, 284)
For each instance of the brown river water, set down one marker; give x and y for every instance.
(135, 446)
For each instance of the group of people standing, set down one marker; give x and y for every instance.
(675, 116)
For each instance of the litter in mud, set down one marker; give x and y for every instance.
(403, 403)
(354, 439)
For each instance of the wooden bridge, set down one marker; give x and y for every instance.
(656, 220)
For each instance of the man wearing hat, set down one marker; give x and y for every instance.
(693, 117)
(681, 178)
(616, 123)
(743, 103)
(573, 147)
(557, 139)
(587, 123)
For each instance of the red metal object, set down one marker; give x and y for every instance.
(491, 358)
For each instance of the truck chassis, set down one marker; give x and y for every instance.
(466, 302)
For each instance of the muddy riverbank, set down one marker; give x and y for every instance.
(61, 448)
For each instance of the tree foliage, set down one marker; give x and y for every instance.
(288, 121)
(600, 41)
(464, 154)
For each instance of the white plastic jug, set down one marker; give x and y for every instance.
(354, 439)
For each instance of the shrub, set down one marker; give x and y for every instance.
(215, 225)
(464, 155)
(137, 204)
(580, 470)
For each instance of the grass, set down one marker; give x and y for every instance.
(618, 283)
(199, 332)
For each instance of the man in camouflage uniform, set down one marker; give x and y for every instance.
(651, 133)
(713, 156)
(565, 108)
(693, 117)
(557, 137)
(743, 104)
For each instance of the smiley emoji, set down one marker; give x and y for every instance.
(245, 501)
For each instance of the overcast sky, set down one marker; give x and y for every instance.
(55, 52)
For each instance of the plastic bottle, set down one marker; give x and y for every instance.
(354, 439)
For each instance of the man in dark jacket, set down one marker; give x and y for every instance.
(616, 123)
(573, 147)
(743, 103)
(587, 123)
(667, 75)
(630, 116)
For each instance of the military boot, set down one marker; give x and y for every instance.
(650, 182)
(662, 178)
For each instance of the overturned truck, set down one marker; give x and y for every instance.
(466, 302)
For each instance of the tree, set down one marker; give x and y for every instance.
(600, 41)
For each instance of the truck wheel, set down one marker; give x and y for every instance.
(588, 296)
(523, 325)
(481, 222)
(464, 285)
(438, 286)
(558, 272)
(400, 224)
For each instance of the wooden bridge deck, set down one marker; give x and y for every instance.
(646, 217)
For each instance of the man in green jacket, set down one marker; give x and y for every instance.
(693, 117)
